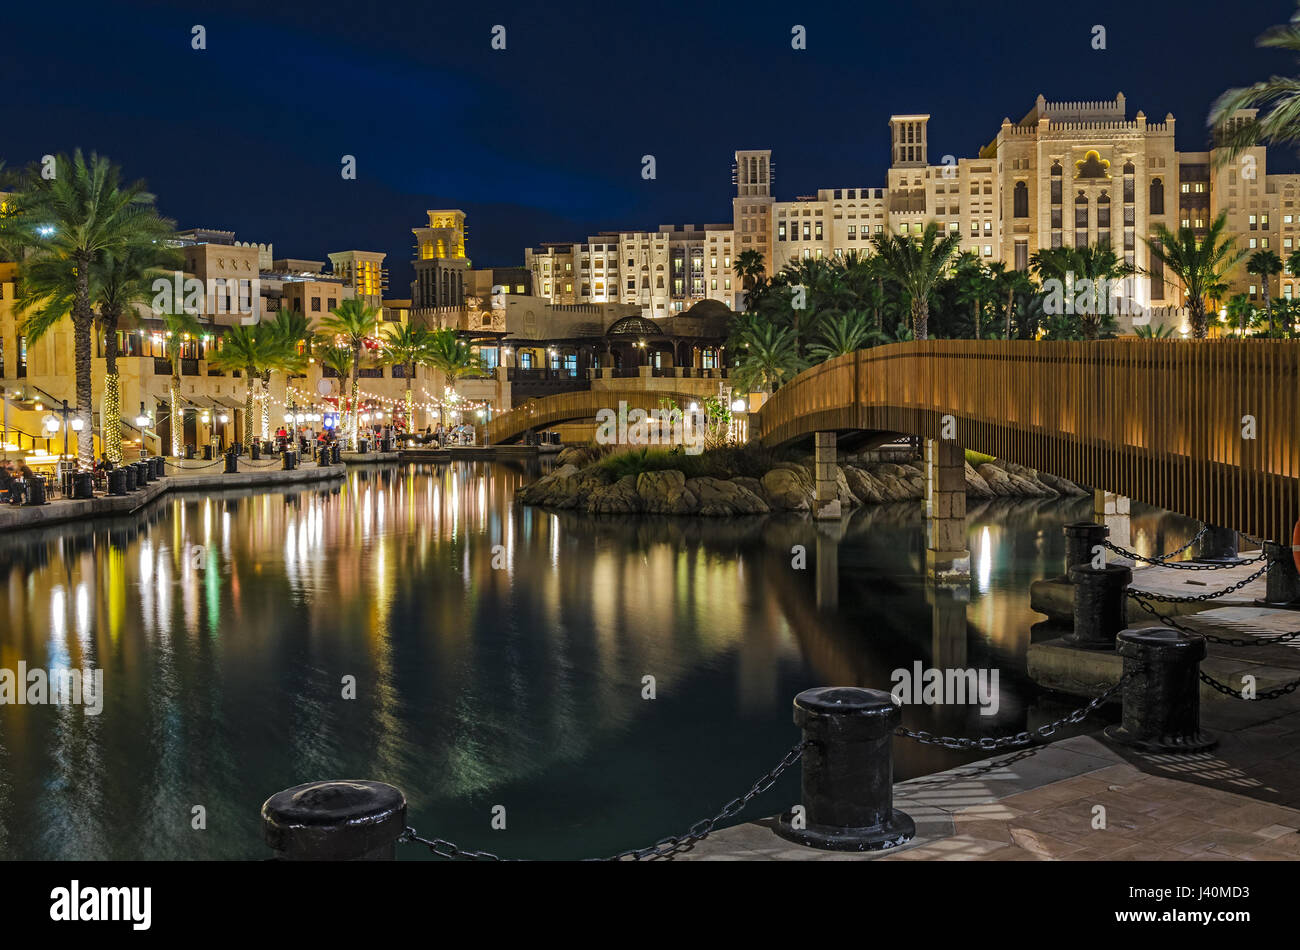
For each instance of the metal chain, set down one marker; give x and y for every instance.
(1275, 693)
(660, 849)
(445, 849)
(989, 744)
(1197, 598)
(702, 829)
(1212, 638)
(190, 468)
(1161, 558)
(1176, 565)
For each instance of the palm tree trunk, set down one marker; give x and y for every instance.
(1197, 307)
(1268, 305)
(86, 437)
(354, 421)
(1011, 303)
(248, 411)
(177, 414)
(83, 319)
(266, 405)
(110, 404)
(920, 318)
(410, 401)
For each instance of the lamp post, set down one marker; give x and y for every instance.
(65, 430)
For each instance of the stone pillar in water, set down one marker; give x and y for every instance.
(1111, 510)
(828, 565)
(826, 503)
(946, 554)
(948, 625)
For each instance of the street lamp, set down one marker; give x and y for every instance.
(142, 422)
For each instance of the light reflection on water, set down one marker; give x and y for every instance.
(498, 654)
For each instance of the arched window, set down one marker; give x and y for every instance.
(1128, 182)
(1081, 220)
(1057, 174)
(1020, 201)
(1157, 196)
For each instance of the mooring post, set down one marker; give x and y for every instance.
(1162, 692)
(848, 772)
(1282, 586)
(1217, 546)
(232, 463)
(1080, 538)
(1100, 605)
(346, 820)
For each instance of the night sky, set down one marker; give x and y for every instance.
(543, 141)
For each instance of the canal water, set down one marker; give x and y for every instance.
(418, 627)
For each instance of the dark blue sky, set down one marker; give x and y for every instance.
(543, 141)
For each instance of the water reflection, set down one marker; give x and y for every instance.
(498, 655)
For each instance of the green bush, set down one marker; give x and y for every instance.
(976, 459)
(725, 462)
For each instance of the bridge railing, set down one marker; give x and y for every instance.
(1207, 428)
(573, 406)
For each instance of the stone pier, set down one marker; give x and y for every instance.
(829, 537)
(946, 555)
(826, 505)
(1112, 510)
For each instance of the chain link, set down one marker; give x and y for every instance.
(1212, 638)
(1197, 598)
(1176, 565)
(1275, 693)
(989, 744)
(660, 849)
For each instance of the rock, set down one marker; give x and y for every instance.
(1028, 487)
(893, 469)
(665, 493)
(620, 498)
(895, 489)
(720, 497)
(749, 484)
(863, 485)
(786, 489)
(976, 486)
(550, 488)
(998, 479)
(1062, 486)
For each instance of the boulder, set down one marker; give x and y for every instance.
(1062, 486)
(863, 485)
(787, 489)
(998, 480)
(722, 497)
(665, 493)
(620, 498)
(976, 486)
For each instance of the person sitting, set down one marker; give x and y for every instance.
(6, 480)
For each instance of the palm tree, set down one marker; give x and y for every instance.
(842, 334)
(179, 327)
(1265, 264)
(1278, 97)
(1240, 311)
(916, 264)
(337, 359)
(288, 350)
(973, 285)
(1014, 283)
(353, 325)
(126, 279)
(767, 356)
(248, 351)
(451, 356)
(68, 223)
(749, 268)
(1199, 264)
(407, 346)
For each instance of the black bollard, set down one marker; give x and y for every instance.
(1080, 538)
(323, 457)
(83, 485)
(336, 454)
(255, 452)
(1217, 546)
(232, 463)
(1282, 587)
(290, 461)
(848, 772)
(1100, 607)
(35, 491)
(117, 481)
(1162, 696)
(349, 820)
(142, 473)
(130, 477)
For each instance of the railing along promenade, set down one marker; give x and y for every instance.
(569, 407)
(1208, 428)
